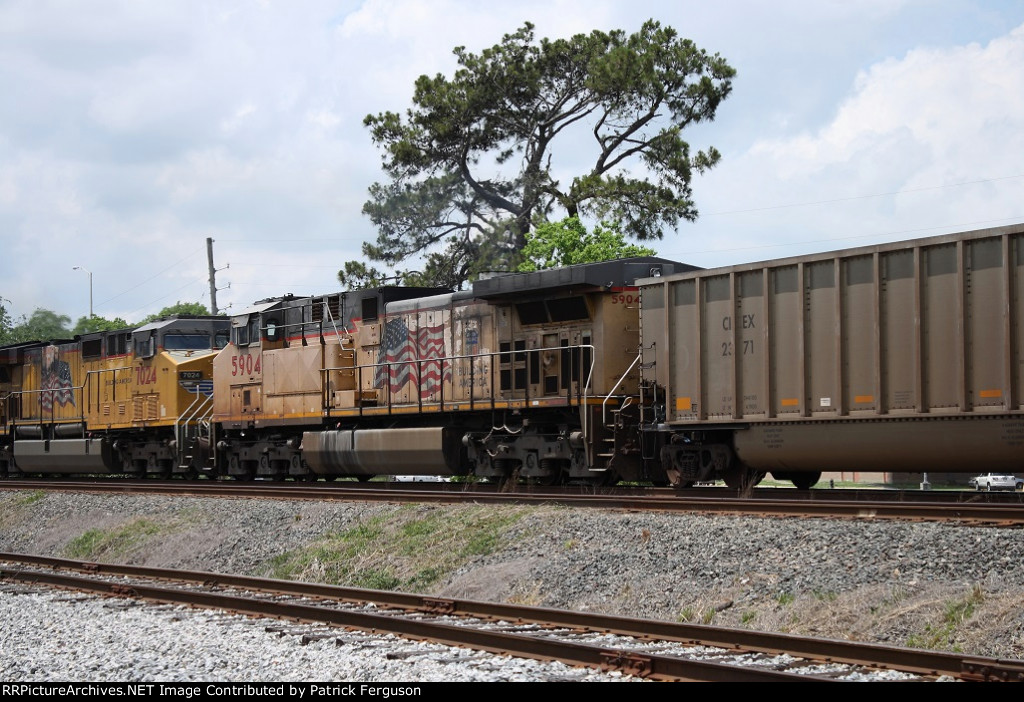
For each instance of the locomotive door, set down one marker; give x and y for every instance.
(574, 362)
(545, 364)
(511, 366)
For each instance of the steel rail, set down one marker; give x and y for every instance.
(1006, 514)
(922, 662)
(656, 667)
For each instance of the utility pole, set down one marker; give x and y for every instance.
(213, 276)
(80, 268)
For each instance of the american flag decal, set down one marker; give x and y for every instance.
(56, 381)
(402, 348)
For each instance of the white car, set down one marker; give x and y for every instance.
(996, 481)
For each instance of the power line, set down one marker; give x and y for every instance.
(125, 292)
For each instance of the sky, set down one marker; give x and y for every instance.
(131, 132)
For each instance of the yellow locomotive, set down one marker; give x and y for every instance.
(128, 401)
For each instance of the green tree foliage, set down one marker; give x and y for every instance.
(568, 242)
(43, 325)
(469, 166)
(193, 308)
(6, 325)
(95, 324)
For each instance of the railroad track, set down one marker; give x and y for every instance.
(986, 509)
(650, 649)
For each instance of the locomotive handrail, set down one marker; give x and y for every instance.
(330, 317)
(5, 409)
(604, 404)
(53, 419)
(113, 391)
(582, 388)
(585, 415)
(191, 415)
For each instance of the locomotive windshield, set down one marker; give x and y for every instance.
(186, 342)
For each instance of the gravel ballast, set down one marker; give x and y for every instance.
(924, 585)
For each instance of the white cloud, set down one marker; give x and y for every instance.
(924, 143)
(964, 106)
(133, 131)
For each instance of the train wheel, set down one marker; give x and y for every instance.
(805, 481)
(605, 479)
(739, 477)
(242, 470)
(159, 468)
(674, 478)
(554, 472)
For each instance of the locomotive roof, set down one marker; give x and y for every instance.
(12, 353)
(177, 320)
(622, 272)
(386, 294)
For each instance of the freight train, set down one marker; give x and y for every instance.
(131, 401)
(899, 357)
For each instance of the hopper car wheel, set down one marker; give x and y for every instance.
(607, 478)
(674, 478)
(741, 478)
(805, 481)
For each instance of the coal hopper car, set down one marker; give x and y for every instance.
(897, 357)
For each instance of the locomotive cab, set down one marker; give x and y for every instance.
(568, 339)
(148, 391)
(290, 363)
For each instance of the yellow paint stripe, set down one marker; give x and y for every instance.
(790, 402)
(684, 404)
(991, 393)
(863, 398)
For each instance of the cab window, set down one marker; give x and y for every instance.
(186, 342)
(145, 346)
